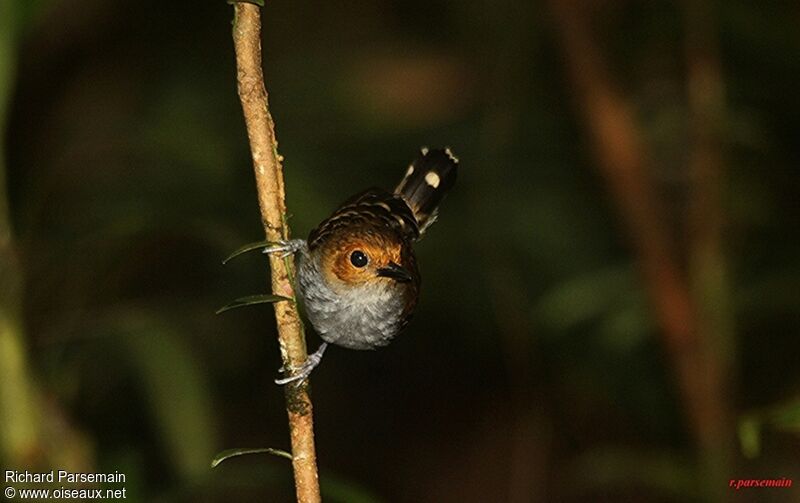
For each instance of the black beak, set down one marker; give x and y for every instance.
(395, 272)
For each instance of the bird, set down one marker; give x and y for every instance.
(357, 274)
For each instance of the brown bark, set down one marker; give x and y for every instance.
(623, 163)
(707, 264)
(271, 198)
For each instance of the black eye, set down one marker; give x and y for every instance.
(358, 258)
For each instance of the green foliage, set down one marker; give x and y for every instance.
(172, 383)
(246, 248)
(784, 417)
(585, 298)
(749, 431)
(129, 177)
(252, 300)
(232, 453)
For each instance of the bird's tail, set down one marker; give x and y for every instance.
(427, 181)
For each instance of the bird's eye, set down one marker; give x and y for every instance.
(358, 258)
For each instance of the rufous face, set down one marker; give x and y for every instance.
(362, 259)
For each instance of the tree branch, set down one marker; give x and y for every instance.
(623, 162)
(20, 425)
(271, 199)
(708, 270)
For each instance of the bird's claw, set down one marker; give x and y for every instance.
(286, 248)
(302, 373)
(304, 370)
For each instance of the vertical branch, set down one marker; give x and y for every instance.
(19, 419)
(271, 198)
(623, 163)
(707, 265)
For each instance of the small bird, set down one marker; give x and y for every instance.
(357, 275)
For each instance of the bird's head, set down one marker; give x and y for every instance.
(360, 259)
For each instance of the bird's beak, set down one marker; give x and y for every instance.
(396, 272)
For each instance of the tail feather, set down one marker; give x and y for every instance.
(427, 181)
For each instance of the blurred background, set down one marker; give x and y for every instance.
(610, 307)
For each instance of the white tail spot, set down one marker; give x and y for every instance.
(432, 179)
(450, 155)
(410, 170)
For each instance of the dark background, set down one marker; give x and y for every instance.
(622, 164)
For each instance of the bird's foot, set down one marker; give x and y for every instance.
(304, 370)
(286, 248)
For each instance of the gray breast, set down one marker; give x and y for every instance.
(363, 317)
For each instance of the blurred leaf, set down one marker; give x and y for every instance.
(585, 297)
(251, 300)
(749, 431)
(231, 453)
(784, 417)
(628, 324)
(173, 384)
(7, 65)
(246, 248)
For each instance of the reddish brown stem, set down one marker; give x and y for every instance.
(271, 198)
(623, 163)
(707, 264)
